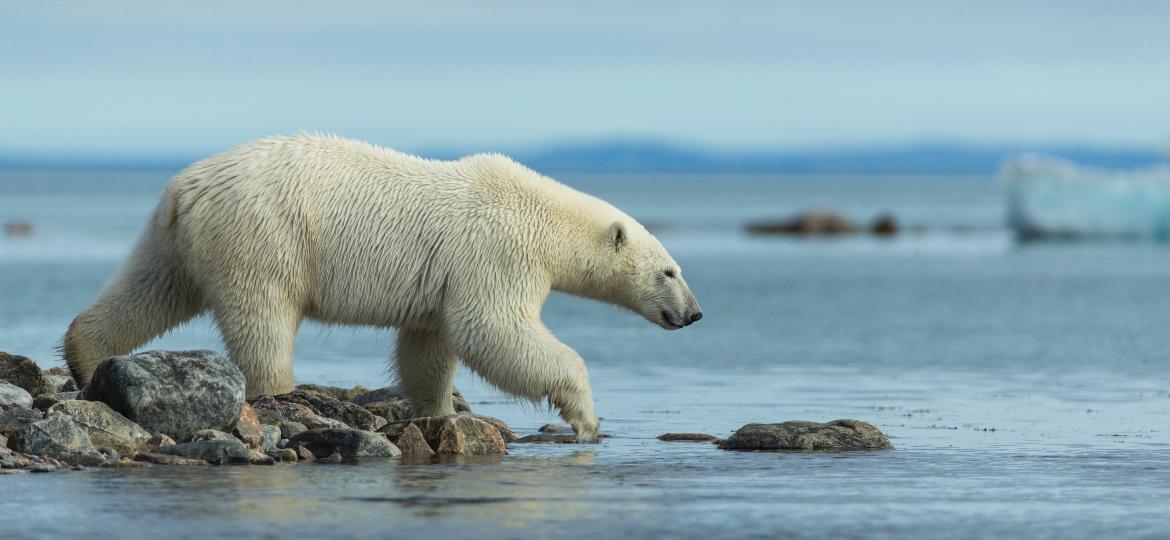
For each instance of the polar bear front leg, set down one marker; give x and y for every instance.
(520, 356)
(426, 369)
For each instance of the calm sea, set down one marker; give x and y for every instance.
(1026, 387)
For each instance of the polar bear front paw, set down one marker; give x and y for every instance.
(586, 430)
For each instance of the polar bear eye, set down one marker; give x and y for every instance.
(668, 273)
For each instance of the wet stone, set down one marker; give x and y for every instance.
(559, 438)
(466, 435)
(349, 443)
(284, 455)
(215, 452)
(413, 445)
(555, 428)
(687, 437)
(800, 435)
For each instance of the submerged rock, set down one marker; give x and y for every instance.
(350, 443)
(215, 452)
(800, 435)
(351, 414)
(176, 393)
(555, 428)
(14, 396)
(809, 223)
(884, 225)
(51, 436)
(561, 438)
(23, 372)
(687, 437)
(104, 426)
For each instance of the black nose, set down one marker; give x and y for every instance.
(698, 315)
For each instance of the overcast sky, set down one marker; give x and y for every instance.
(156, 77)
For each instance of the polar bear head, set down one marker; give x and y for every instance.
(640, 275)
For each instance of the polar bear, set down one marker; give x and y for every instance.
(458, 255)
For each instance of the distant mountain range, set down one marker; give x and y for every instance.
(650, 156)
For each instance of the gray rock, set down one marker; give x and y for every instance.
(269, 417)
(351, 414)
(555, 428)
(86, 459)
(44, 402)
(350, 443)
(271, 437)
(16, 418)
(176, 393)
(271, 407)
(284, 455)
(14, 396)
(215, 452)
(211, 435)
(51, 436)
(23, 372)
(392, 411)
(561, 438)
(167, 459)
(289, 429)
(104, 426)
(799, 435)
(62, 383)
(155, 441)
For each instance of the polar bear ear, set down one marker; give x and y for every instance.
(617, 235)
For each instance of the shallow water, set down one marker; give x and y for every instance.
(1024, 387)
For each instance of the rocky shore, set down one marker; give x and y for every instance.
(188, 408)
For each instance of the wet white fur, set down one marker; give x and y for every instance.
(459, 255)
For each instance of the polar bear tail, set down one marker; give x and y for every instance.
(150, 294)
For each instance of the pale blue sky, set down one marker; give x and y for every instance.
(154, 78)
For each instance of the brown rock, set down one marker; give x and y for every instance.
(23, 372)
(257, 457)
(466, 435)
(333, 458)
(687, 437)
(560, 438)
(413, 445)
(884, 225)
(165, 459)
(335, 392)
(800, 435)
(248, 426)
(809, 223)
(293, 412)
(350, 415)
(432, 427)
(304, 454)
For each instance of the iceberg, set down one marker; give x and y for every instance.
(1050, 198)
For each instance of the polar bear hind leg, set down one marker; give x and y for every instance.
(425, 368)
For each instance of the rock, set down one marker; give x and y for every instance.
(331, 459)
(687, 437)
(14, 396)
(104, 426)
(271, 439)
(350, 443)
(395, 393)
(392, 411)
(248, 427)
(44, 402)
(290, 429)
(555, 428)
(466, 435)
(260, 458)
(3, 441)
(432, 427)
(303, 454)
(215, 452)
(62, 383)
(176, 393)
(157, 440)
(51, 436)
(17, 417)
(799, 435)
(167, 459)
(884, 225)
(295, 412)
(284, 455)
(413, 445)
(562, 438)
(211, 435)
(809, 223)
(268, 417)
(23, 372)
(335, 392)
(351, 414)
(86, 459)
